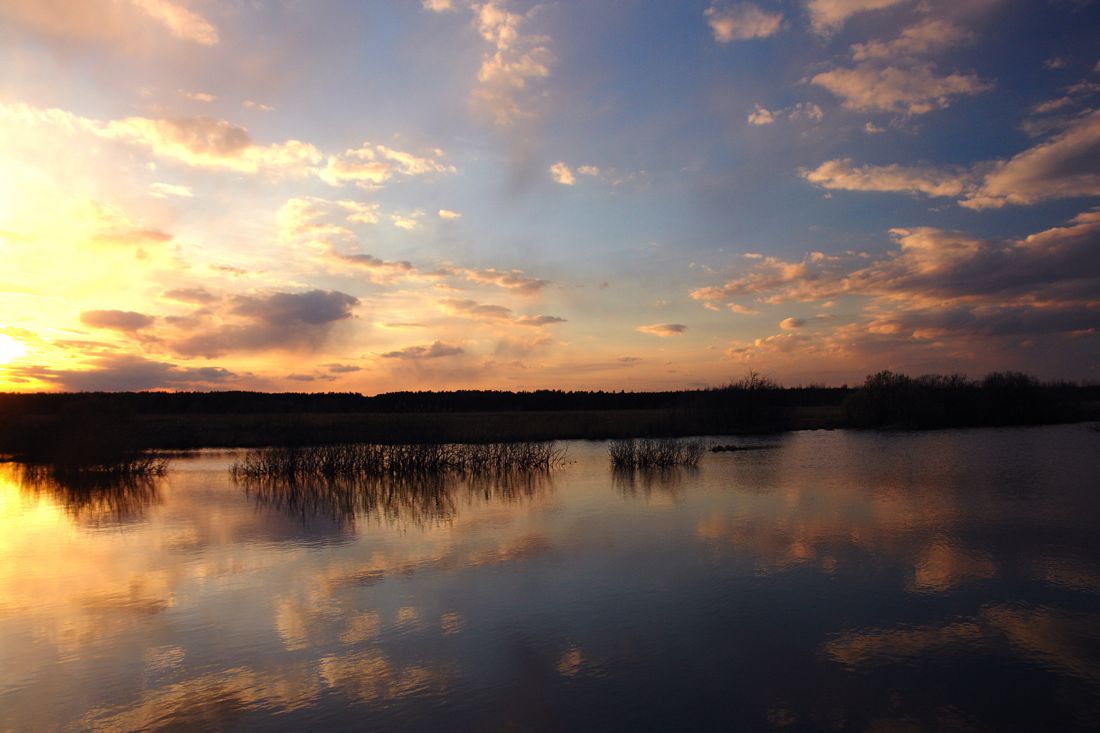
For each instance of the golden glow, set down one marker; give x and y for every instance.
(10, 348)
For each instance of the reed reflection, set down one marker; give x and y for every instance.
(668, 481)
(116, 492)
(394, 484)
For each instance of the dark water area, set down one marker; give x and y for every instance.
(838, 581)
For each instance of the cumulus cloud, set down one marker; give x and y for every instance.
(827, 16)
(280, 320)
(561, 173)
(930, 264)
(913, 90)
(514, 280)
(843, 174)
(208, 143)
(741, 22)
(1064, 166)
(761, 116)
(792, 323)
(894, 75)
(942, 297)
(115, 373)
(483, 311)
(370, 165)
(204, 142)
(663, 329)
(116, 320)
(117, 22)
(514, 61)
(448, 214)
(927, 36)
(436, 350)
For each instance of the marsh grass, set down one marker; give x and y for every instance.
(655, 453)
(352, 460)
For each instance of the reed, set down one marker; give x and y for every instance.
(352, 460)
(655, 453)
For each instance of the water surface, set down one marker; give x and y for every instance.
(840, 580)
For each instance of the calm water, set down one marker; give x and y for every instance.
(839, 580)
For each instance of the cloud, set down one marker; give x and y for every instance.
(792, 323)
(514, 280)
(448, 214)
(843, 174)
(408, 222)
(827, 16)
(116, 320)
(379, 270)
(198, 295)
(920, 39)
(663, 329)
(475, 309)
(164, 190)
(589, 170)
(914, 90)
(208, 143)
(760, 116)
(437, 6)
(772, 276)
(116, 373)
(199, 96)
(258, 106)
(483, 311)
(741, 22)
(370, 165)
(561, 174)
(436, 350)
(342, 368)
(288, 321)
(180, 21)
(930, 264)
(507, 70)
(1067, 165)
(117, 22)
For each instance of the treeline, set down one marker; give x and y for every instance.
(84, 428)
(739, 394)
(887, 399)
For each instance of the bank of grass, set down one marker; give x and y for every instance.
(655, 453)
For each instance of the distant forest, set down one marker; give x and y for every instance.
(36, 423)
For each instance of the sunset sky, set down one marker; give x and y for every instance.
(333, 196)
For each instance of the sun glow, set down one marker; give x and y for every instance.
(10, 349)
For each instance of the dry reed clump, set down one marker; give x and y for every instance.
(655, 453)
(372, 459)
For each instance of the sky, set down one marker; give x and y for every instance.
(294, 195)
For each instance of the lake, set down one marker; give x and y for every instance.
(830, 580)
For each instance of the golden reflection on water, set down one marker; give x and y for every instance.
(190, 598)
